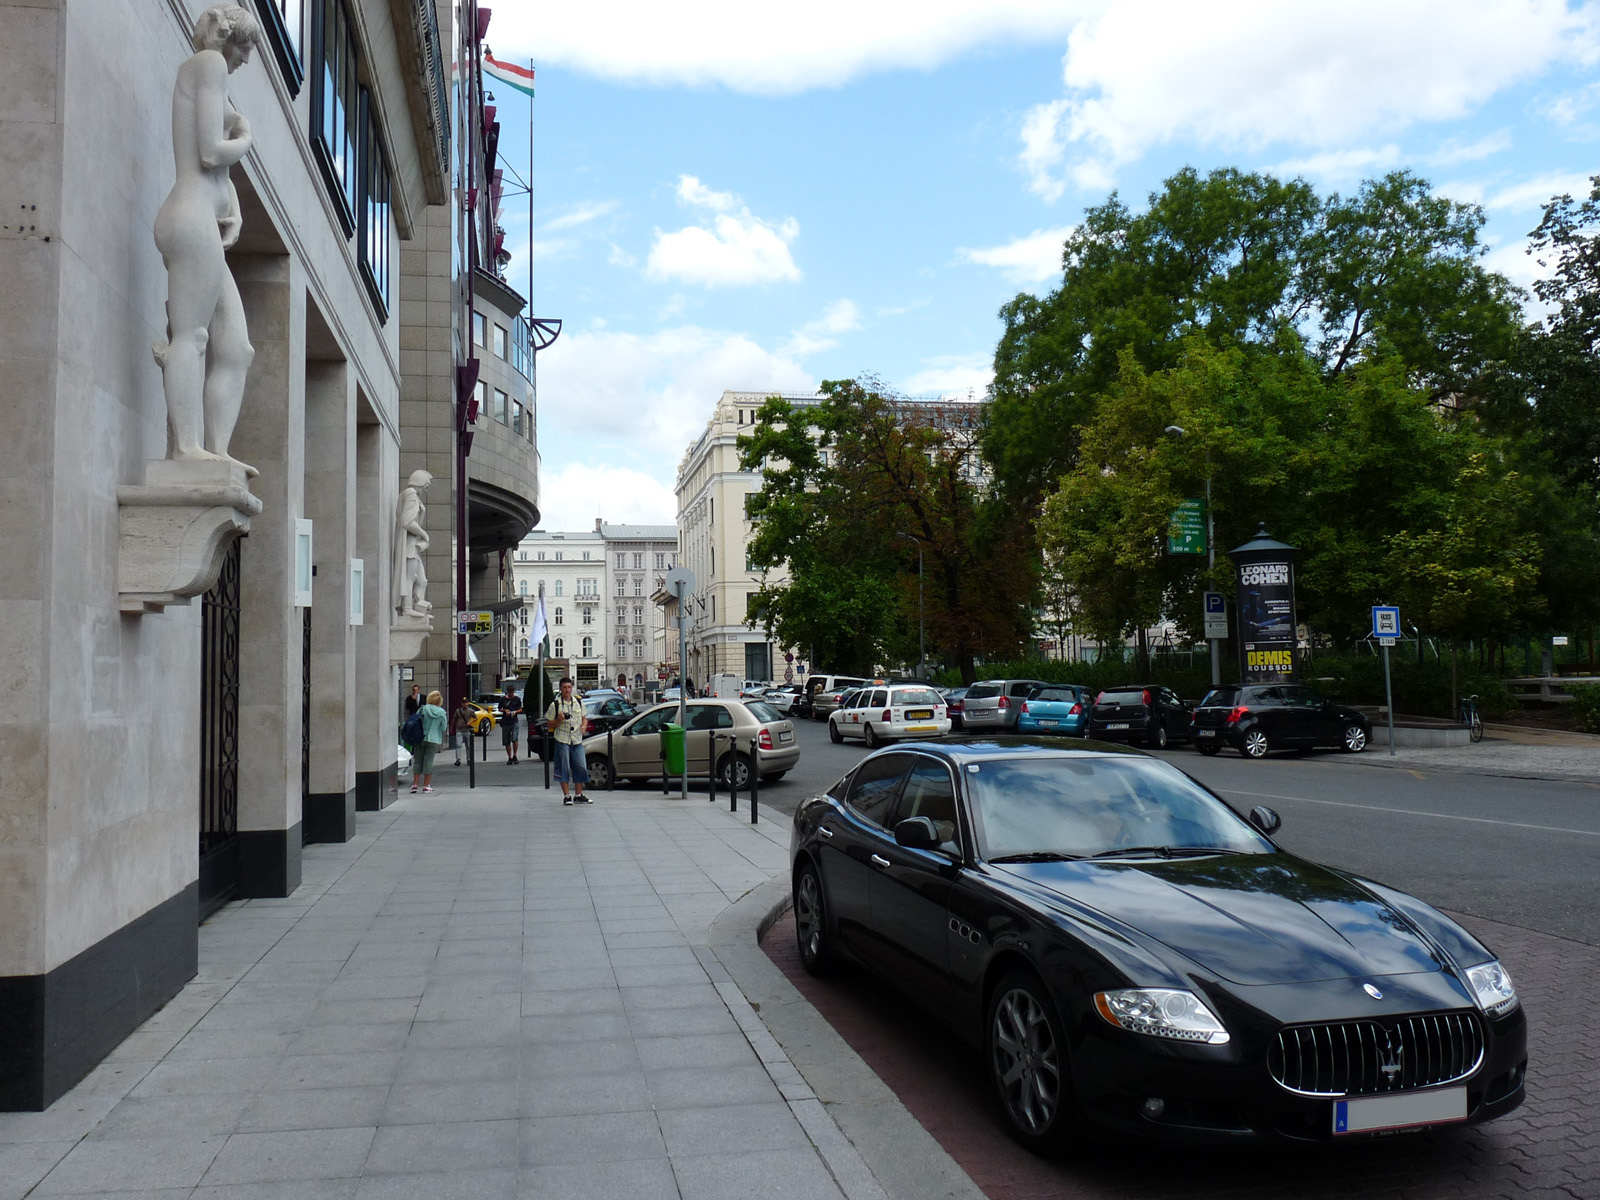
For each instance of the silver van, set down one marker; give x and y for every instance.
(995, 704)
(825, 690)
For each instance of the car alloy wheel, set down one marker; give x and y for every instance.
(871, 737)
(599, 771)
(834, 735)
(811, 922)
(1161, 735)
(1256, 744)
(1355, 738)
(734, 772)
(1026, 1060)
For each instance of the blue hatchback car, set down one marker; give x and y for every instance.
(1058, 708)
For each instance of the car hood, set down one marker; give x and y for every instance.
(1250, 918)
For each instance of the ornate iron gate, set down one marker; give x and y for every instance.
(305, 724)
(219, 737)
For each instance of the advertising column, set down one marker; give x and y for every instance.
(1266, 610)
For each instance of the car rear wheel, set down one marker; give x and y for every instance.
(871, 736)
(811, 923)
(734, 772)
(1161, 735)
(599, 771)
(1354, 738)
(1026, 1056)
(834, 735)
(1256, 744)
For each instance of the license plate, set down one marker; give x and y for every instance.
(785, 735)
(1118, 725)
(1208, 733)
(1409, 1110)
(920, 714)
(922, 729)
(1048, 723)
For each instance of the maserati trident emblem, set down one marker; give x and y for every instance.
(1372, 991)
(1393, 1056)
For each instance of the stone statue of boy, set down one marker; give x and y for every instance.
(197, 223)
(409, 585)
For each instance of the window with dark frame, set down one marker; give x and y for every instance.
(375, 208)
(283, 22)
(335, 113)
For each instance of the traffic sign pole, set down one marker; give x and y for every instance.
(1386, 628)
(1388, 697)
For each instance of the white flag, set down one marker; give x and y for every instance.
(537, 638)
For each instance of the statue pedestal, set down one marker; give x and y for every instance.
(174, 528)
(406, 635)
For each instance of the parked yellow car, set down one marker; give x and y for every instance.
(482, 719)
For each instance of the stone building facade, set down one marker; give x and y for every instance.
(165, 751)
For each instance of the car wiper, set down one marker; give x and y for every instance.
(1037, 856)
(1160, 851)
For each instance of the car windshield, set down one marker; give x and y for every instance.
(1081, 807)
(982, 691)
(1121, 698)
(916, 696)
(763, 711)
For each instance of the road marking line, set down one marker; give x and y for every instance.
(1412, 812)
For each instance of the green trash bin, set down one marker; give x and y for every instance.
(673, 748)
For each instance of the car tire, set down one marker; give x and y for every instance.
(1025, 1056)
(733, 772)
(870, 736)
(599, 771)
(1255, 744)
(1209, 749)
(812, 938)
(1354, 739)
(1160, 739)
(773, 776)
(834, 735)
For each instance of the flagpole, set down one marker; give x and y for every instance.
(530, 212)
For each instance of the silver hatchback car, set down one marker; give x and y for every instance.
(635, 748)
(995, 704)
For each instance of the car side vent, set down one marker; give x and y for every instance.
(1363, 1058)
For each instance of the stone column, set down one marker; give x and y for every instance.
(330, 502)
(271, 435)
(377, 682)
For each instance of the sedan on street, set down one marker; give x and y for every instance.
(633, 752)
(1130, 954)
(877, 715)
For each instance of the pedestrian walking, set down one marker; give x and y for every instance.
(510, 714)
(434, 720)
(460, 729)
(567, 727)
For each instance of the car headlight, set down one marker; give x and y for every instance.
(1491, 988)
(1161, 1012)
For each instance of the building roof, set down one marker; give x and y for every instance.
(640, 533)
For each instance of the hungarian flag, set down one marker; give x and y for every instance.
(520, 78)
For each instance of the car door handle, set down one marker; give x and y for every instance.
(880, 862)
(824, 831)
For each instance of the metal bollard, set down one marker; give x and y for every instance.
(611, 760)
(713, 771)
(733, 772)
(546, 752)
(472, 763)
(755, 774)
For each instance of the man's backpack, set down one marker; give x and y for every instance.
(411, 731)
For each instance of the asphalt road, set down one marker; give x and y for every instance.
(1518, 851)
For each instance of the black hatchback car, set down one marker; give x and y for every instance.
(1145, 714)
(1256, 720)
(1128, 952)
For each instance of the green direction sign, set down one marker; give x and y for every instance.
(1186, 532)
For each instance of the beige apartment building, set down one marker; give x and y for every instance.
(714, 534)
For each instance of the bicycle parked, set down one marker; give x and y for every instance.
(1471, 719)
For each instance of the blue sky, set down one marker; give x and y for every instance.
(732, 196)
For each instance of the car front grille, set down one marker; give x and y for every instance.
(1363, 1058)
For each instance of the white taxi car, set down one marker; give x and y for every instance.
(880, 714)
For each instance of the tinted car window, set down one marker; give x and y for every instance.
(1089, 806)
(1054, 695)
(1302, 696)
(874, 786)
(1020, 689)
(1121, 698)
(879, 699)
(763, 711)
(982, 691)
(654, 722)
(1221, 698)
(709, 716)
(930, 792)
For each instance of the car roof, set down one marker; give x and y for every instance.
(978, 748)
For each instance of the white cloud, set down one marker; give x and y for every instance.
(646, 396)
(581, 214)
(1341, 166)
(1027, 260)
(1320, 74)
(1570, 107)
(1452, 152)
(735, 249)
(768, 49)
(1533, 194)
(840, 317)
(953, 375)
(572, 496)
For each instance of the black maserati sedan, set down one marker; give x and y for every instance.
(1131, 955)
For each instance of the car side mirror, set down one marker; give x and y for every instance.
(1265, 819)
(917, 833)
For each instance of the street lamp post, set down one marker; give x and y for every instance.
(1211, 551)
(922, 629)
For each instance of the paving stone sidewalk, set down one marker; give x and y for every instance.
(483, 995)
(1504, 751)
